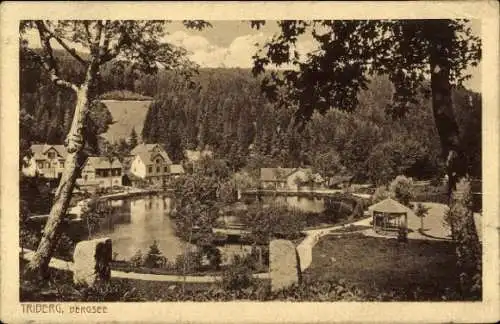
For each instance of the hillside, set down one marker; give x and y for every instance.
(126, 116)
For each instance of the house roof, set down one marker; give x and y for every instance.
(196, 155)
(144, 147)
(99, 162)
(389, 206)
(176, 169)
(39, 150)
(280, 174)
(146, 153)
(275, 174)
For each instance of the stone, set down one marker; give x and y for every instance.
(92, 261)
(284, 264)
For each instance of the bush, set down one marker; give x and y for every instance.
(402, 189)
(188, 262)
(238, 276)
(137, 259)
(154, 257)
(213, 255)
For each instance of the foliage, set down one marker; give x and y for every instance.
(461, 216)
(351, 50)
(344, 206)
(35, 195)
(189, 261)
(238, 276)
(93, 212)
(133, 140)
(137, 259)
(402, 189)
(421, 211)
(154, 257)
(213, 255)
(273, 221)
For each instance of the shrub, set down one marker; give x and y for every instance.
(154, 257)
(188, 262)
(238, 276)
(213, 255)
(402, 189)
(136, 260)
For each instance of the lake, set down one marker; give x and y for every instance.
(137, 222)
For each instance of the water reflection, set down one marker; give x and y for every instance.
(136, 223)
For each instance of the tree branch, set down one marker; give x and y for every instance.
(68, 49)
(87, 30)
(48, 62)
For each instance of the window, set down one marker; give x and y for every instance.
(61, 163)
(51, 155)
(158, 161)
(39, 164)
(157, 169)
(165, 169)
(150, 169)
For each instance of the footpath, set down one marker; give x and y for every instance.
(68, 266)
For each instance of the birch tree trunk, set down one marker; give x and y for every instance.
(74, 144)
(461, 218)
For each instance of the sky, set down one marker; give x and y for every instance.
(233, 43)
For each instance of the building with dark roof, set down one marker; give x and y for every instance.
(47, 161)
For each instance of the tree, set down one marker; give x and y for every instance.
(408, 51)
(154, 257)
(402, 189)
(107, 41)
(421, 212)
(133, 140)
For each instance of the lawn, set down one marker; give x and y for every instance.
(126, 115)
(419, 267)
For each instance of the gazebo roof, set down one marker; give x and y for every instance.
(389, 206)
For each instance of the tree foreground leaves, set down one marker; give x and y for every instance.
(408, 51)
(136, 41)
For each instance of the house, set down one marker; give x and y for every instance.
(176, 170)
(289, 178)
(47, 160)
(150, 163)
(274, 178)
(193, 157)
(100, 172)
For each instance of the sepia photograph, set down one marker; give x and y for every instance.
(239, 160)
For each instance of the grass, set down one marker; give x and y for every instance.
(350, 228)
(375, 264)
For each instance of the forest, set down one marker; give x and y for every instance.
(226, 111)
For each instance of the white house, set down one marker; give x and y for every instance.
(101, 172)
(150, 162)
(288, 178)
(47, 161)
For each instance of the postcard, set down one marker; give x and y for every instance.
(249, 162)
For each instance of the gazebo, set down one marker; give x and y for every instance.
(389, 215)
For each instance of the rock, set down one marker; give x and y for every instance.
(284, 264)
(91, 261)
(333, 260)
